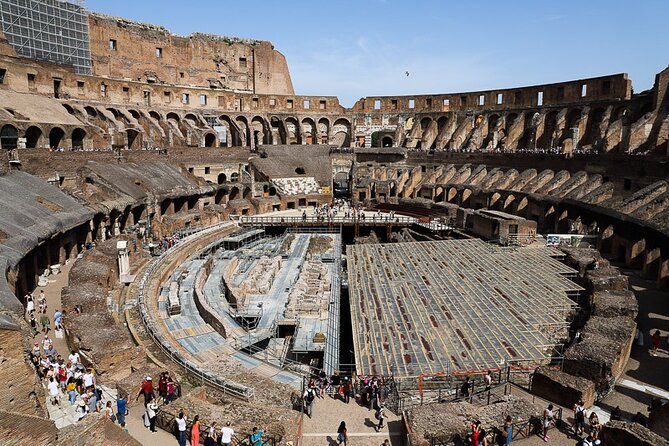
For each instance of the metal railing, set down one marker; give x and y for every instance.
(206, 378)
(313, 220)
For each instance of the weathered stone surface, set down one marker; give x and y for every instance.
(562, 388)
(630, 434)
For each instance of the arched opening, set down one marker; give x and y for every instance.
(91, 112)
(9, 137)
(593, 130)
(209, 140)
(272, 191)
(490, 140)
(78, 136)
(173, 117)
(509, 121)
(309, 131)
(69, 108)
(135, 114)
(190, 117)
(155, 115)
(234, 193)
(341, 131)
(645, 108)
(260, 135)
(222, 178)
(507, 203)
(548, 137)
(33, 136)
(452, 194)
(134, 141)
(494, 199)
(234, 177)
(293, 135)
(55, 137)
(324, 130)
(573, 118)
(528, 140)
(244, 132)
(387, 141)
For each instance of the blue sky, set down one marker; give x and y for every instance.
(357, 48)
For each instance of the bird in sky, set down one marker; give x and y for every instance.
(406, 72)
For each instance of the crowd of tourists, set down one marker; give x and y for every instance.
(345, 210)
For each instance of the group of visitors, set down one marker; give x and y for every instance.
(36, 312)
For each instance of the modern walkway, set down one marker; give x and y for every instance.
(321, 429)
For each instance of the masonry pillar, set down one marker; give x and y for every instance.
(123, 260)
(651, 264)
(663, 275)
(605, 243)
(635, 254)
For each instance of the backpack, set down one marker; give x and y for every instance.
(310, 395)
(377, 414)
(580, 415)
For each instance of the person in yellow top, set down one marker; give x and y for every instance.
(71, 391)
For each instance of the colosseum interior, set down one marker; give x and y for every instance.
(187, 212)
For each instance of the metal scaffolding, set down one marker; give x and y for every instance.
(51, 30)
(455, 306)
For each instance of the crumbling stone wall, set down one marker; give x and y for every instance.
(562, 388)
(630, 434)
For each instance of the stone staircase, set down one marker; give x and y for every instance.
(65, 414)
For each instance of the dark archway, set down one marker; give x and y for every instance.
(55, 137)
(155, 115)
(209, 140)
(33, 135)
(78, 136)
(222, 178)
(9, 137)
(134, 141)
(387, 141)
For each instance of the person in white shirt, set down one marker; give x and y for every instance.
(74, 358)
(181, 427)
(226, 434)
(53, 391)
(89, 380)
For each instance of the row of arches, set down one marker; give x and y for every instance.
(35, 137)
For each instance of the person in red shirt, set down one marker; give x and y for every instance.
(146, 389)
(476, 432)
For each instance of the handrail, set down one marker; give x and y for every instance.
(372, 219)
(221, 384)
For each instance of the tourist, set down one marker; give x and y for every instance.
(342, 434)
(487, 380)
(92, 402)
(121, 408)
(44, 321)
(322, 384)
(226, 434)
(151, 413)
(309, 396)
(211, 439)
(255, 439)
(181, 428)
(655, 339)
(53, 391)
(467, 389)
(546, 422)
(483, 441)
(476, 433)
(30, 304)
(162, 386)
(587, 441)
(595, 427)
(171, 390)
(380, 415)
(348, 389)
(195, 431)
(33, 324)
(508, 430)
(146, 389)
(109, 412)
(579, 417)
(89, 379)
(57, 320)
(73, 358)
